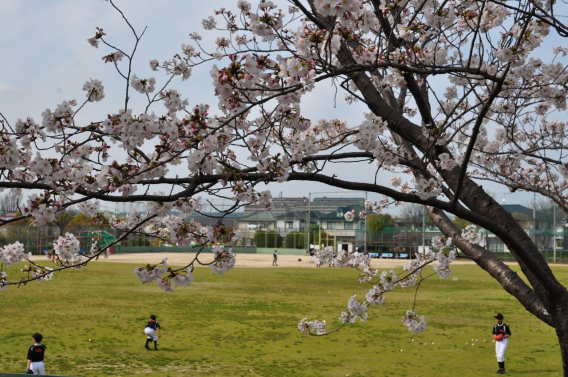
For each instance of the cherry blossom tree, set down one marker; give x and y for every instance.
(456, 92)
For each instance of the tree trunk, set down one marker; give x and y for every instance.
(562, 334)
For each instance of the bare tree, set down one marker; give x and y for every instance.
(63, 218)
(9, 202)
(415, 215)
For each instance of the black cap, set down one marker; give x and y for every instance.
(37, 337)
(153, 317)
(498, 316)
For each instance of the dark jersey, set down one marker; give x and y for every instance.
(501, 329)
(36, 352)
(153, 325)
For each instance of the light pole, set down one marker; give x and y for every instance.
(366, 225)
(534, 218)
(423, 229)
(308, 225)
(554, 231)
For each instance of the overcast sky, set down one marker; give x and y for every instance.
(46, 59)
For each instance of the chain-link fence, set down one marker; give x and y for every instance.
(389, 242)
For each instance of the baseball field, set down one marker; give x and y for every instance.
(244, 323)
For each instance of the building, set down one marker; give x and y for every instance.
(327, 205)
(282, 205)
(545, 226)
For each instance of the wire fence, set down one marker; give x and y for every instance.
(390, 242)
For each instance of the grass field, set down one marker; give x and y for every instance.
(244, 324)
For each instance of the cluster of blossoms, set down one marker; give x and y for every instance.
(184, 231)
(346, 259)
(446, 162)
(160, 208)
(183, 280)
(368, 137)
(89, 208)
(354, 309)
(387, 281)
(95, 90)
(95, 40)
(471, 235)
(376, 206)
(13, 254)
(143, 85)
(42, 208)
(224, 260)
(427, 188)
(350, 216)
(313, 327)
(60, 118)
(168, 278)
(172, 101)
(113, 57)
(34, 272)
(65, 253)
(188, 205)
(278, 165)
(150, 273)
(326, 255)
(132, 130)
(67, 249)
(415, 323)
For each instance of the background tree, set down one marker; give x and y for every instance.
(267, 238)
(415, 216)
(80, 220)
(9, 202)
(293, 241)
(63, 220)
(245, 235)
(316, 237)
(460, 223)
(375, 223)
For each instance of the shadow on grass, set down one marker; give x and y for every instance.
(535, 372)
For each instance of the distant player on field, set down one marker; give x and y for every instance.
(501, 332)
(275, 258)
(152, 326)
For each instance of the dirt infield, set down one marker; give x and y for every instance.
(243, 260)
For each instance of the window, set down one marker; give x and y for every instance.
(289, 224)
(348, 225)
(330, 225)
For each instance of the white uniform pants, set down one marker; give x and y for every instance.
(151, 334)
(500, 347)
(37, 367)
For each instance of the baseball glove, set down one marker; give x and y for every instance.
(499, 337)
(29, 371)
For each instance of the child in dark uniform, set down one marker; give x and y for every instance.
(152, 326)
(35, 356)
(501, 332)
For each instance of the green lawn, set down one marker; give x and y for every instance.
(245, 324)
